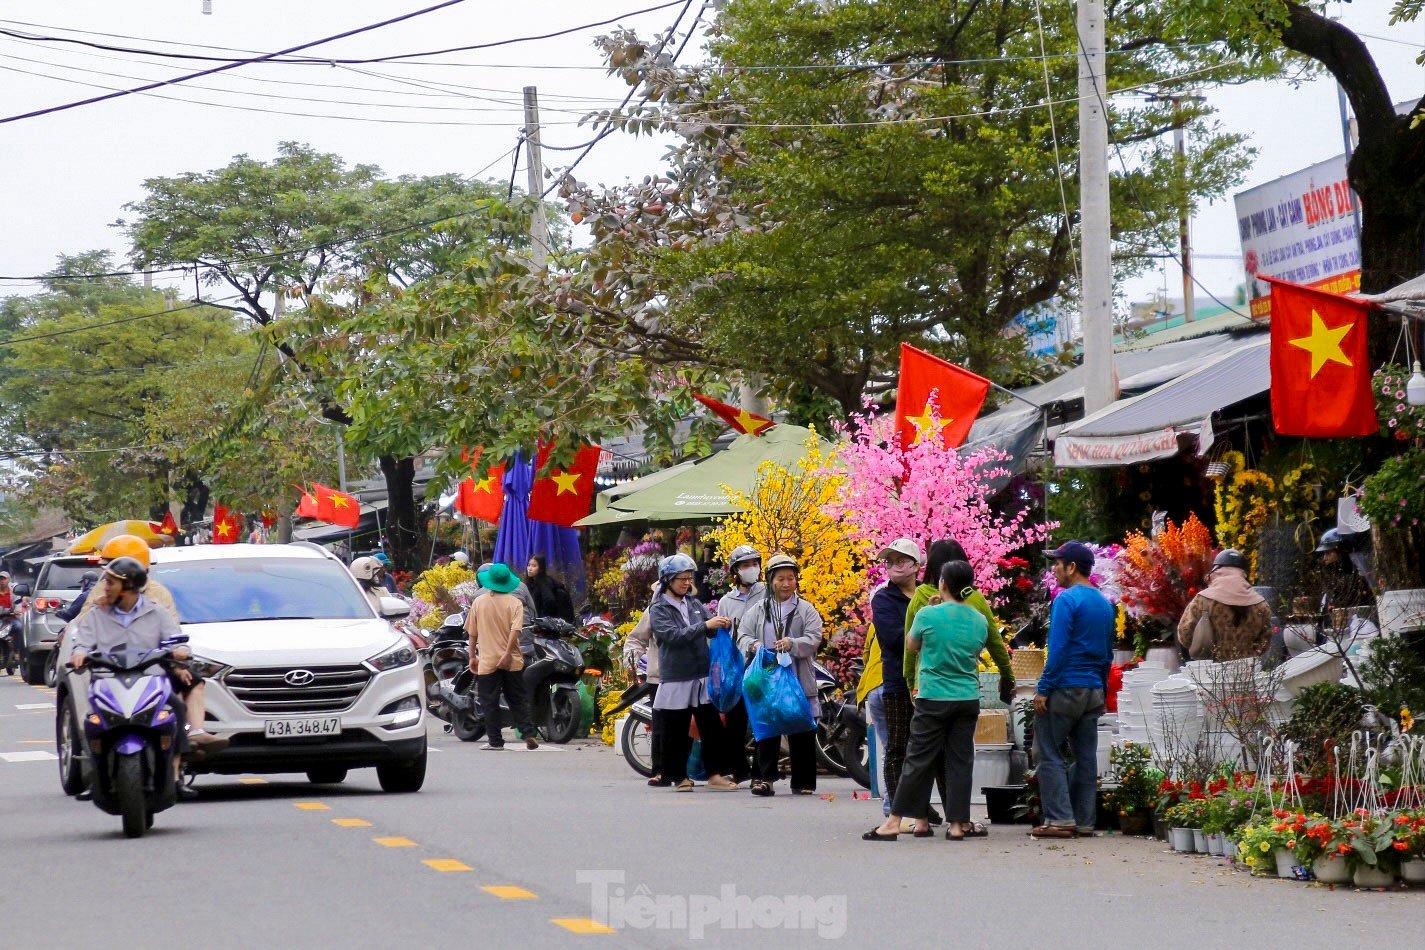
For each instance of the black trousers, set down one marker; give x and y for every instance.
(735, 725)
(511, 683)
(802, 747)
(938, 727)
(677, 743)
(656, 731)
(897, 708)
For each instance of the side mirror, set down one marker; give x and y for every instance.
(22, 590)
(394, 608)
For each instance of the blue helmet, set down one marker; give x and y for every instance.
(674, 565)
(1330, 541)
(381, 556)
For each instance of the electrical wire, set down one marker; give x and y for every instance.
(1054, 134)
(111, 323)
(50, 110)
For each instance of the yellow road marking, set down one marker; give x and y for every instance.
(446, 864)
(395, 842)
(509, 892)
(582, 925)
(313, 806)
(252, 781)
(351, 822)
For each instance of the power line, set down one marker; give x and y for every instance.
(48, 110)
(110, 323)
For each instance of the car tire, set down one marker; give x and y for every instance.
(402, 777)
(326, 775)
(32, 670)
(71, 772)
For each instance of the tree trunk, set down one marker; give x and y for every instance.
(195, 502)
(404, 529)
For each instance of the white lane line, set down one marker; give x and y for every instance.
(34, 705)
(28, 756)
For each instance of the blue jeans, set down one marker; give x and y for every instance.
(1067, 796)
(877, 709)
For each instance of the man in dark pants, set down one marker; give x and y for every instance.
(494, 624)
(1070, 697)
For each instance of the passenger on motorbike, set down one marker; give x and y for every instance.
(9, 624)
(368, 573)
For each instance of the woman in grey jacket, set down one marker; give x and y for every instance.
(781, 620)
(681, 627)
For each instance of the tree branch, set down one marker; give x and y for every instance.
(1346, 58)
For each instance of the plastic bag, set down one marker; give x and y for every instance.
(776, 705)
(724, 672)
(696, 768)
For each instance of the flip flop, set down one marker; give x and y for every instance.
(927, 833)
(977, 830)
(875, 835)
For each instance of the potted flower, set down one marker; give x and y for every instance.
(1373, 840)
(1169, 794)
(1136, 781)
(1408, 834)
(1326, 847)
(1185, 824)
(1268, 842)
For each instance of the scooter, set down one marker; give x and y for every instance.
(131, 734)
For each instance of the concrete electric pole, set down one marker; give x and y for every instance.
(538, 223)
(1100, 383)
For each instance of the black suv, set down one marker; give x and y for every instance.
(59, 582)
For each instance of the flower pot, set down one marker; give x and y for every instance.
(1000, 801)
(1367, 876)
(1331, 870)
(1133, 823)
(1181, 839)
(1229, 847)
(1214, 843)
(1413, 871)
(1160, 828)
(1199, 841)
(1286, 860)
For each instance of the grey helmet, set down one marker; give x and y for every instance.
(743, 552)
(672, 566)
(1230, 557)
(1330, 541)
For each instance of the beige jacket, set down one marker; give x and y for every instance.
(494, 623)
(1233, 637)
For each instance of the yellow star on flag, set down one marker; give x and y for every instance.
(224, 529)
(927, 424)
(1324, 343)
(338, 501)
(486, 484)
(747, 422)
(566, 482)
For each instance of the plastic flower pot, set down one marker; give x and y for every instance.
(1214, 844)
(1367, 876)
(1199, 841)
(1229, 847)
(1181, 839)
(1286, 860)
(1331, 870)
(1413, 871)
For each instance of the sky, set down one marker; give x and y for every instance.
(65, 177)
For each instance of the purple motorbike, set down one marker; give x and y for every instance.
(131, 736)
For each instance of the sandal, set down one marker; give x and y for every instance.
(875, 835)
(763, 790)
(686, 785)
(1051, 831)
(975, 830)
(927, 833)
(658, 781)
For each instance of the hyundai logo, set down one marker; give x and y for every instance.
(300, 678)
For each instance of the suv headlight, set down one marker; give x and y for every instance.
(205, 669)
(398, 656)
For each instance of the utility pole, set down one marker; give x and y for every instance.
(1184, 222)
(538, 223)
(1100, 383)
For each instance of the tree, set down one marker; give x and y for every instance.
(899, 180)
(306, 224)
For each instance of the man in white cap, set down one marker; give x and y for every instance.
(902, 559)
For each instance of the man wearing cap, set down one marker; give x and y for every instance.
(902, 558)
(1070, 697)
(494, 622)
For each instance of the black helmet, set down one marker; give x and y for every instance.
(1330, 541)
(130, 571)
(1231, 557)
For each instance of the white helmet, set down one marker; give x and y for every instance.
(365, 568)
(460, 557)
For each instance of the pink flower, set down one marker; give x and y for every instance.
(1392, 423)
(1400, 407)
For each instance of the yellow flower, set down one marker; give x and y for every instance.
(1266, 846)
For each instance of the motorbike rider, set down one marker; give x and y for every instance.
(387, 581)
(87, 580)
(368, 573)
(744, 565)
(9, 625)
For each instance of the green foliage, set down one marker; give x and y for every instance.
(1395, 676)
(1393, 495)
(1323, 718)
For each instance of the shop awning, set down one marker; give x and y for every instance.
(1148, 426)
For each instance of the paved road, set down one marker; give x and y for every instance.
(539, 849)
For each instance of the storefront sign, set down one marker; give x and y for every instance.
(1302, 228)
(1093, 451)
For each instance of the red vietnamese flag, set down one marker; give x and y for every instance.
(483, 498)
(169, 525)
(1321, 373)
(335, 507)
(748, 423)
(227, 525)
(958, 395)
(564, 495)
(307, 507)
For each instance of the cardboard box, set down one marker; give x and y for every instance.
(992, 727)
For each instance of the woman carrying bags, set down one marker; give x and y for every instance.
(681, 627)
(780, 620)
(949, 637)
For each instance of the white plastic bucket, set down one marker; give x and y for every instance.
(991, 768)
(1401, 610)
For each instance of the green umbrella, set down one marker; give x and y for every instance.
(697, 492)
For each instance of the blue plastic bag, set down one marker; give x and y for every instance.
(724, 672)
(696, 768)
(776, 705)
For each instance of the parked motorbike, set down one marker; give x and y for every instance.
(130, 735)
(551, 680)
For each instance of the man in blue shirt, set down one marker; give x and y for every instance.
(1070, 697)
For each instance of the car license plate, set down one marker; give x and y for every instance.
(301, 728)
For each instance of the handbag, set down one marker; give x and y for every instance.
(1202, 637)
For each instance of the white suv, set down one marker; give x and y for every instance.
(302, 675)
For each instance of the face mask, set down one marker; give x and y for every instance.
(749, 575)
(901, 571)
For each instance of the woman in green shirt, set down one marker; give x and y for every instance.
(940, 554)
(949, 637)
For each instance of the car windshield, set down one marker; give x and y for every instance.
(66, 575)
(222, 591)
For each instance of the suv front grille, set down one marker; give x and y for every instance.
(264, 690)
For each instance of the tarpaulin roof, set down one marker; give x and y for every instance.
(1147, 426)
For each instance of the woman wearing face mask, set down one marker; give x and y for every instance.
(745, 566)
(780, 620)
(889, 604)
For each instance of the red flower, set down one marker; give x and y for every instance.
(1343, 849)
(1400, 846)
